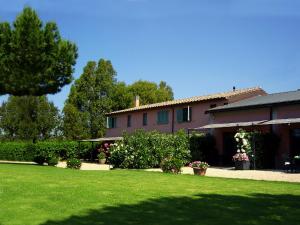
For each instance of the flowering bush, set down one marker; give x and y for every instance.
(243, 143)
(240, 157)
(142, 150)
(199, 164)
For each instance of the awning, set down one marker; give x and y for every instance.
(282, 121)
(102, 139)
(235, 124)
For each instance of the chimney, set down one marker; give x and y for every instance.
(233, 88)
(137, 101)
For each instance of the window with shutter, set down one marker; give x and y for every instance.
(145, 119)
(112, 122)
(184, 115)
(163, 117)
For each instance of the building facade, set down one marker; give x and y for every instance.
(277, 114)
(171, 116)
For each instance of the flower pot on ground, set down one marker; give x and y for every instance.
(199, 167)
(242, 165)
(241, 161)
(102, 158)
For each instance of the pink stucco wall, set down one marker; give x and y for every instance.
(282, 130)
(199, 118)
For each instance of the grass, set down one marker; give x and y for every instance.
(53, 196)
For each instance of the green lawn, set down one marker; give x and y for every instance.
(53, 196)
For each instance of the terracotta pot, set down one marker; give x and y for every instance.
(102, 161)
(242, 165)
(199, 171)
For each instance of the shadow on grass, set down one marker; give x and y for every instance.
(204, 209)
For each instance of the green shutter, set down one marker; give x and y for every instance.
(179, 115)
(163, 117)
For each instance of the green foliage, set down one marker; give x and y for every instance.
(74, 163)
(53, 161)
(121, 97)
(16, 151)
(202, 147)
(29, 118)
(34, 59)
(89, 101)
(150, 92)
(44, 151)
(171, 165)
(101, 155)
(148, 149)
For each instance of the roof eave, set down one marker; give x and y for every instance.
(252, 106)
(163, 106)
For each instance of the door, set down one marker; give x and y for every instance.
(229, 148)
(295, 142)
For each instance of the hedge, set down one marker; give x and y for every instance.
(44, 151)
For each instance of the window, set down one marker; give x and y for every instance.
(213, 106)
(225, 103)
(129, 121)
(145, 119)
(163, 117)
(184, 115)
(112, 122)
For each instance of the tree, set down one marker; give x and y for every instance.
(150, 92)
(34, 59)
(29, 118)
(122, 98)
(89, 100)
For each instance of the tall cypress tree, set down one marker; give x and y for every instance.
(89, 100)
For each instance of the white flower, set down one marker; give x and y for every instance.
(238, 151)
(245, 142)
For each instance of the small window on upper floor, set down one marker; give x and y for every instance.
(129, 121)
(184, 115)
(213, 106)
(111, 122)
(163, 117)
(145, 119)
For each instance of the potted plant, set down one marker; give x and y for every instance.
(102, 158)
(241, 161)
(241, 158)
(199, 167)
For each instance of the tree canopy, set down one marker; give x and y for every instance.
(29, 118)
(89, 100)
(150, 92)
(34, 59)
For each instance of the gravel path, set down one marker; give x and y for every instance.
(245, 174)
(211, 172)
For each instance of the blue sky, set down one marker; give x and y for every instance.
(197, 46)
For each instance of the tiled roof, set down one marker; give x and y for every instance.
(223, 95)
(262, 101)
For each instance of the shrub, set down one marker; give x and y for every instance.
(53, 161)
(74, 163)
(172, 165)
(16, 151)
(41, 152)
(142, 149)
(101, 155)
